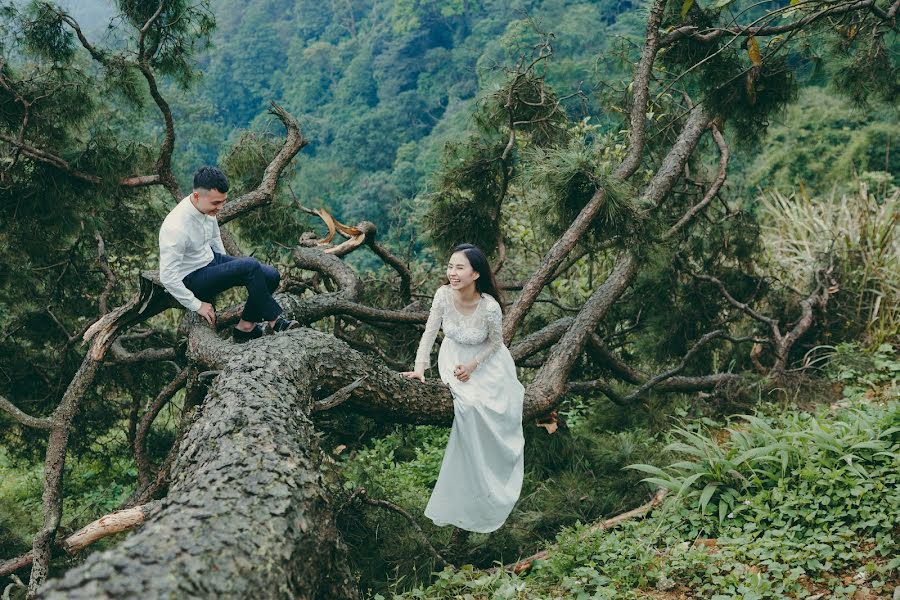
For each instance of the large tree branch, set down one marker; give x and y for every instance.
(549, 383)
(672, 166)
(712, 34)
(246, 508)
(784, 342)
(23, 417)
(713, 189)
(265, 191)
(164, 159)
(629, 165)
(641, 87)
(101, 334)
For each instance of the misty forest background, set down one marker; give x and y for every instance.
(387, 93)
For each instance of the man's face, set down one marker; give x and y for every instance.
(209, 202)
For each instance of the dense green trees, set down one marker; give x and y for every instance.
(501, 123)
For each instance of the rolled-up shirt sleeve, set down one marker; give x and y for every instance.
(172, 244)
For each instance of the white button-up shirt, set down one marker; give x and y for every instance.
(187, 239)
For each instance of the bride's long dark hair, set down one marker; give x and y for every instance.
(486, 282)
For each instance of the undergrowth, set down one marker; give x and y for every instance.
(782, 503)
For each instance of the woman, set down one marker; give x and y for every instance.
(481, 474)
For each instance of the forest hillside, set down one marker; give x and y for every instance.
(691, 209)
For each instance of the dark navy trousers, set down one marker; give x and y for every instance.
(225, 272)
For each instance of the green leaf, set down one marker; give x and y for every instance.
(707, 493)
(687, 483)
(666, 483)
(686, 7)
(648, 469)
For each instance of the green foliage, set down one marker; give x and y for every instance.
(869, 375)
(46, 35)
(862, 65)
(744, 93)
(244, 163)
(572, 475)
(820, 144)
(92, 488)
(476, 177)
(467, 208)
(89, 114)
(861, 230)
(174, 37)
(810, 504)
(570, 175)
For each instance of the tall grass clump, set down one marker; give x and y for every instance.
(863, 232)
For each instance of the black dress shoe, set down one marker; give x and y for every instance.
(282, 324)
(239, 337)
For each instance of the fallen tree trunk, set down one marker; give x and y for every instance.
(246, 513)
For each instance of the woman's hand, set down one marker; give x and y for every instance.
(463, 372)
(417, 374)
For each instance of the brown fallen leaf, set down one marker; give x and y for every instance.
(551, 424)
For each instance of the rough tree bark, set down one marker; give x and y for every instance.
(246, 513)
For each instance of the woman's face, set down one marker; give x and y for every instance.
(460, 271)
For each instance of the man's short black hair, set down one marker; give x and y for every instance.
(210, 178)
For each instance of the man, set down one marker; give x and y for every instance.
(194, 267)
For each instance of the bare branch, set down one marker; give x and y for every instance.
(711, 34)
(527, 563)
(743, 307)
(337, 398)
(395, 263)
(675, 370)
(264, 193)
(596, 385)
(120, 356)
(362, 495)
(105, 526)
(140, 181)
(713, 189)
(48, 158)
(140, 436)
(638, 117)
(23, 417)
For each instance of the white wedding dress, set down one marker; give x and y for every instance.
(481, 474)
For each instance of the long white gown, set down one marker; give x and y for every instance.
(481, 474)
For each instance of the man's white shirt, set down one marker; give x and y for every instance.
(187, 239)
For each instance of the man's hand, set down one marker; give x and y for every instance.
(207, 312)
(417, 374)
(463, 372)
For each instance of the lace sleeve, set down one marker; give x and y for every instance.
(435, 316)
(494, 321)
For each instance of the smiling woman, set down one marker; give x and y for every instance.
(482, 470)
